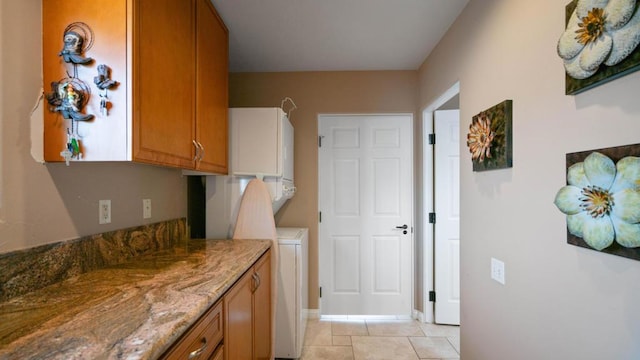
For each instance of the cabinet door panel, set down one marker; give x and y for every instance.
(262, 309)
(103, 24)
(164, 78)
(238, 335)
(211, 88)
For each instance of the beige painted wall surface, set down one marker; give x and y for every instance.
(320, 93)
(48, 203)
(559, 301)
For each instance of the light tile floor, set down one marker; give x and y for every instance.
(376, 339)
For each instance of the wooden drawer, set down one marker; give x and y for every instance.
(219, 354)
(201, 341)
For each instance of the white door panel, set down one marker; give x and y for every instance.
(365, 192)
(447, 209)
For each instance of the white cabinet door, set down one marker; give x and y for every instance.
(256, 138)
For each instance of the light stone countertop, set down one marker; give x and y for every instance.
(135, 310)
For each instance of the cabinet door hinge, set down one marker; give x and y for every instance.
(432, 296)
(432, 139)
(432, 218)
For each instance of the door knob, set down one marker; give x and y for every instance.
(404, 228)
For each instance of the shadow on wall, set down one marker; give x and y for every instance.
(82, 185)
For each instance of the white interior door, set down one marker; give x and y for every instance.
(365, 199)
(447, 209)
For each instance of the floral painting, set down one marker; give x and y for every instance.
(600, 42)
(489, 138)
(602, 200)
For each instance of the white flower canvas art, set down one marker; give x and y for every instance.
(601, 200)
(600, 42)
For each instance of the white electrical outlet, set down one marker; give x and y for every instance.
(104, 211)
(146, 208)
(497, 270)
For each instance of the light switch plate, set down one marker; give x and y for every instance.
(497, 270)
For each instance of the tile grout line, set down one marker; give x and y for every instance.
(353, 352)
(450, 343)
(413, 347)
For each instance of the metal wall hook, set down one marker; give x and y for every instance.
(293, 106)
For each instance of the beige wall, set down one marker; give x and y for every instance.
(48, 203)
(320, 93)
(559, 301)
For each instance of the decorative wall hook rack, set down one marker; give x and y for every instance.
(77, 39)
(104, 82)
(70, 95)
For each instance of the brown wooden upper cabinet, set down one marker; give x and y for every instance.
(170, 58)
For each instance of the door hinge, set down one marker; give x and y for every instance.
(432, 139)
(320, 291)
(432, 296)
(319, 216)
(432, 218)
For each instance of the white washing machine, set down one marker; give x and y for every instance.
(293, 292)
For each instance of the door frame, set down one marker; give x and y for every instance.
(413, 254)
(428, 274)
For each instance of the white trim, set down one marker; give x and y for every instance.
(313, 313)
(365, 317)
(418, 315)
(427, 199)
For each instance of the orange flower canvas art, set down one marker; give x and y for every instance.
(489, 138)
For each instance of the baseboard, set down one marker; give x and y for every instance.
(418, 315)
(313, 313)
(415, 314)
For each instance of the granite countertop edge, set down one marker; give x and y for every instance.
(135, 310)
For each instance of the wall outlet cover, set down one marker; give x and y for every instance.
(104, 211)
(497, 271)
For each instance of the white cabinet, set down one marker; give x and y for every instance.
(260, 145)
(261, 142)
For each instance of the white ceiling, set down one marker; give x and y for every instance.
(333, 35)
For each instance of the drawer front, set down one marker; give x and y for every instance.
(214, 329)
(202, 339)
(219, 354)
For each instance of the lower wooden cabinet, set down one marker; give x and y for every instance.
(247, 314)
(237, 327)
